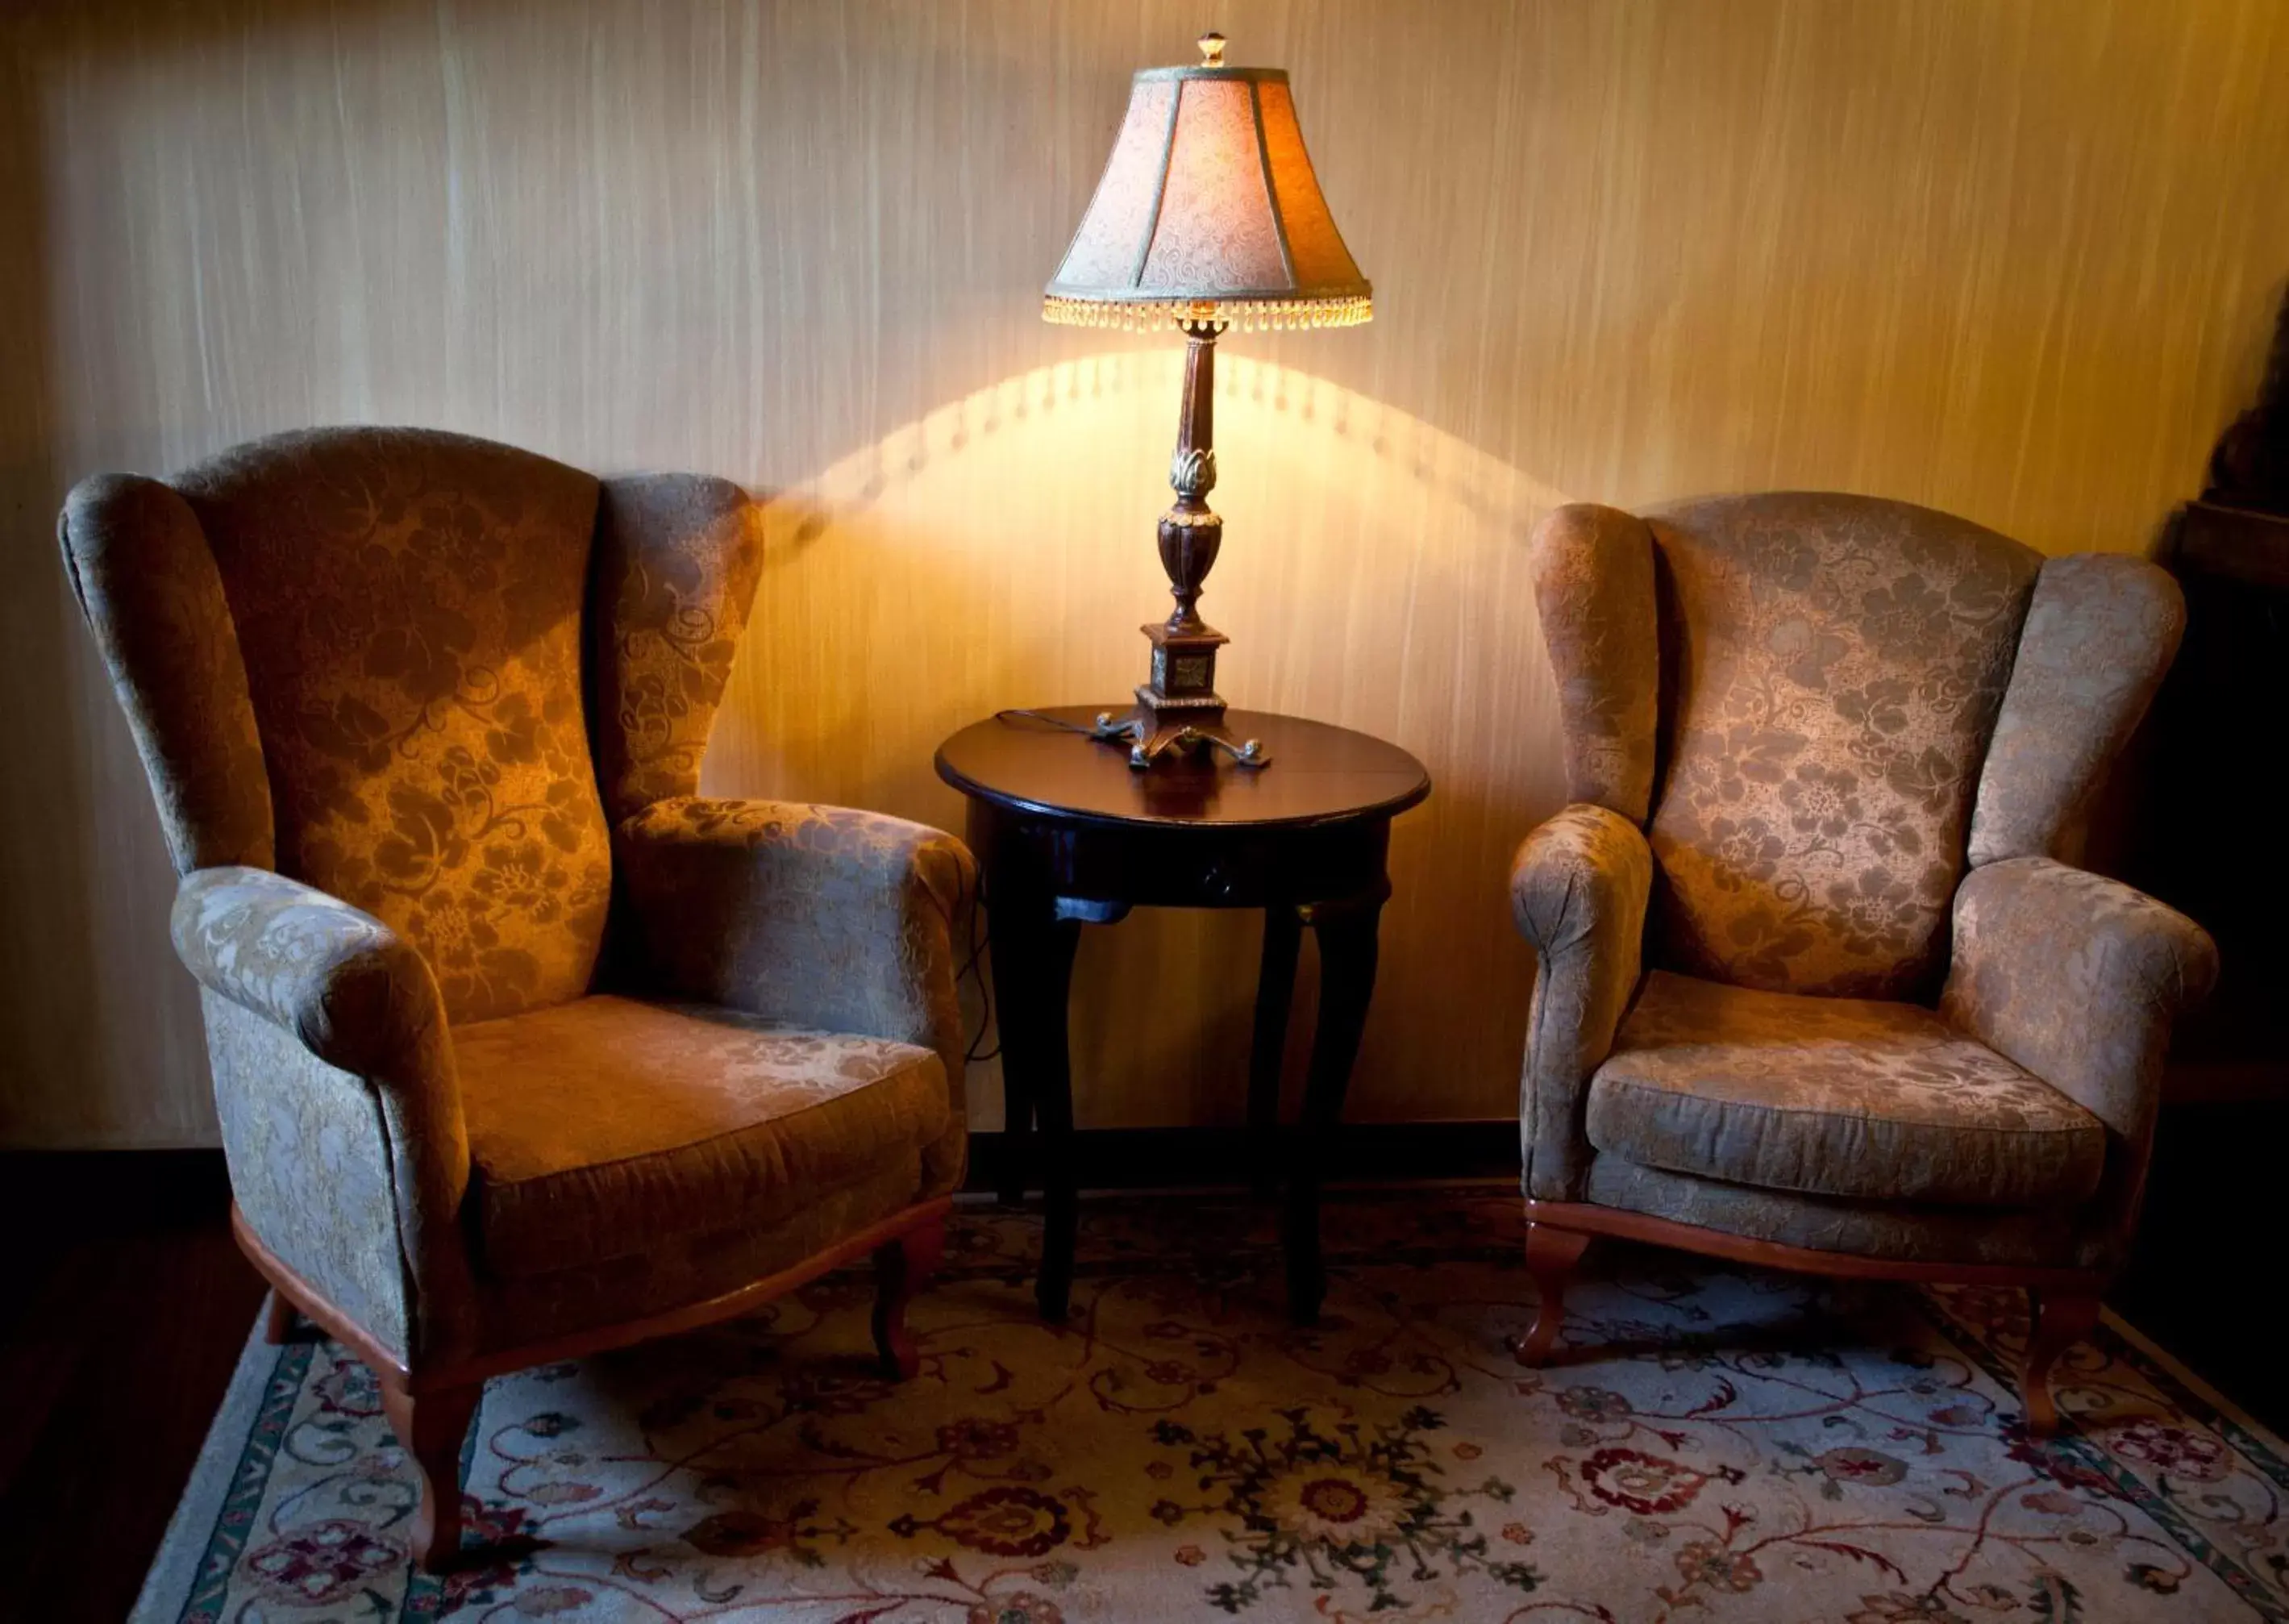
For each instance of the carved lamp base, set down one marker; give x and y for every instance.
(1179, 709)
(1152, 734)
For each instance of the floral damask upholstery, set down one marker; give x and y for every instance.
(409, 611)
(607, 1126)
(1836, 664)
(1847, 1096)
(806, 914)
(2073, 700)
(340, 1103)
(147, 581)
(677, 576)
(1810, 971)
(1908, 1232)
(2078, 979)
(512, 1037)
(1593, 586)
(1580, 889)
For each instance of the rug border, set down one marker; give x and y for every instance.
(175, 1567)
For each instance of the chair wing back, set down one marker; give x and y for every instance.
(407, 609)
(153, 598)
(2100, 636)
(1593, 591)
(677, 558)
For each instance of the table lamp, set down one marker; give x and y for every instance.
(1208, 217)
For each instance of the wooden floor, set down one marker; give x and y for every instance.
(123, 1306)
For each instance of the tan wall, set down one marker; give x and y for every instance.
(2011, 259)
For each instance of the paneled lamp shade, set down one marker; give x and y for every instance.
(1209, 216)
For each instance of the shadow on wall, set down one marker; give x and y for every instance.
(999, 552)
(741, 235)
(224, 220)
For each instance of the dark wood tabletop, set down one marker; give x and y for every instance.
(1318, 774)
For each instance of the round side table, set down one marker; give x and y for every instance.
(1068, 834)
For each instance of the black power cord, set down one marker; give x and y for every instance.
(1047, 720)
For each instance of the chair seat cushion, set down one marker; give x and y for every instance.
(610, 1125)
(1838, 1097)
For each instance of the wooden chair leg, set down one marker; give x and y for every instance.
(900, 1268)
(1550, 1255)
(277, 1320)
(432, 1428)
(2056, 1322)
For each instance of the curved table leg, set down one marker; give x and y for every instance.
(1033, 980)
(1275, 993)
(1348, 948)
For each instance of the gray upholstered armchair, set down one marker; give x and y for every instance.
(1818, 985)
(521, 1049)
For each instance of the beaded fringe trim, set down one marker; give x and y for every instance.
(1247, 315)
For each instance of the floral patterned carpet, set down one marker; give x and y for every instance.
(1730, 1446)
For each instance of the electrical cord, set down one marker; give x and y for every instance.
(1047, 720)
(980, 935)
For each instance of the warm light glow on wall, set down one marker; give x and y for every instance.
(2014, 260)
(1372, 575)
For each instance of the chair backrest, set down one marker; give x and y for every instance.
(1832, 668)
(366, 657)
(409, 608)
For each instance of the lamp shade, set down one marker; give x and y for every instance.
(1208, 210)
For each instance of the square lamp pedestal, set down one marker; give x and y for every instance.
(1179, 709)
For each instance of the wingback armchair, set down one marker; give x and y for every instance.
(521, 1049)
(1819, 986)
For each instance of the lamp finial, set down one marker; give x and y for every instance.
(1211, 45)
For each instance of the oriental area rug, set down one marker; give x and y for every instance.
(1722, 1444)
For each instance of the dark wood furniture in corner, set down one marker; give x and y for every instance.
(2215, 741)
(1068, 834)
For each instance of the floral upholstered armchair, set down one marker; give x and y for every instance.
(1819, 986)
(521, 1049)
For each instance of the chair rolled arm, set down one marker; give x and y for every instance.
(341, 1111)
(1579, 888)
(818, 915)
(351, 991)
(2078, 979)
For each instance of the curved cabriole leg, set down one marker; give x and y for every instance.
(1275, 995)
(1033, 961)
(1348, 953)
(1550, 1255)
(432, 1426)
(2056, 1322)
(277, 1320)
(900, 1268)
